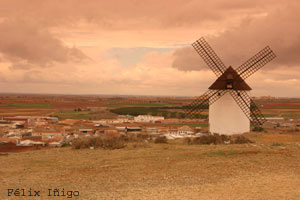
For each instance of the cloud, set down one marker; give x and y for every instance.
(187, 59)
(131, 56)
(276, 28)
(26, 45)
(63, 34)
(128, 14)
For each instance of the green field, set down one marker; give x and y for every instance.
(25, 105)
(154, 111)
(287, 107)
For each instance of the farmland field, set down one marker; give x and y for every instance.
(64, 105)
(24, 105)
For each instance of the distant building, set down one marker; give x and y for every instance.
(48, 134)
(185, 130)
(148, 118)
(181, 132)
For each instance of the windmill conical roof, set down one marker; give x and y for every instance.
(238, 82)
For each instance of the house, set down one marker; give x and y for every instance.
(55, 144)
(30, 143)
(180, 132)
(49, 134)
(148, 118)
(185, 130)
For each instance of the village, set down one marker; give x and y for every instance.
(21, 133)
(49, 131)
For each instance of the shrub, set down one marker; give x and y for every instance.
(218, 139)
(110, 142)
(276, 144)
(205, 139)
(161, 139)
(105, 142)
(242, 140)
(212, 139)
(187, 140)
(258, 129)
(65, 145)
(132, 137)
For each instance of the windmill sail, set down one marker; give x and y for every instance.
(202, 102)
(209, 56)
(245, 103)
(256, 62)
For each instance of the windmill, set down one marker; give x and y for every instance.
(234, 110)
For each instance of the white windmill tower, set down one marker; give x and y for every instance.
(234, 110)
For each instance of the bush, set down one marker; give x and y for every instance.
(161, 139)
(105, 142)
(205, 139)
(211, 139)
(258, 129)
(65, 145)
(132, 137)
(110, 142)
(242, 140)
(276, 144)
(187, 140)
(218, 139)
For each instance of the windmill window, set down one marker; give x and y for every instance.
(229, 84)
(229, 81)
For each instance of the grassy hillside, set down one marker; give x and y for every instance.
(268, 169)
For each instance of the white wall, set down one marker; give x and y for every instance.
(226, 117)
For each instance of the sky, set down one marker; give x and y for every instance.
(134, 47)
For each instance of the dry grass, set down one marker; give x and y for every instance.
(163, 171)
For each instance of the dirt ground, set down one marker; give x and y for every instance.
(267, 169)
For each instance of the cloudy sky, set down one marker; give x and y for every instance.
(144, 47)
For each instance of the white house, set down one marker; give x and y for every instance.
(148, 118)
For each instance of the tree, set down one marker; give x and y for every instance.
(181, 115)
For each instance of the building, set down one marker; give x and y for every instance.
(225, 115)
(148, 118)
(185, 130)
(49, 134)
